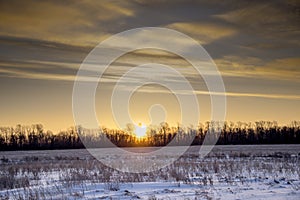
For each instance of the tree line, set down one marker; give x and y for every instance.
(34, 137)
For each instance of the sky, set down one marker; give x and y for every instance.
(255, 45)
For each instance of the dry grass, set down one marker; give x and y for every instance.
(65, 174)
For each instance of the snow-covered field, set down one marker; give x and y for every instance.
(228, 172)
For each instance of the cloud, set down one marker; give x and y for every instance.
(289, 64)
(272, 20)
(46, 36)
(258, 95)
(281, 69)
(153, 89)
(76, 23)
(204, 32)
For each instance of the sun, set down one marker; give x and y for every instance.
(140, 130)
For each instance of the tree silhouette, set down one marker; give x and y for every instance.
(24, 137)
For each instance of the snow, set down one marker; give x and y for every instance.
(169, 190)
(229, 172)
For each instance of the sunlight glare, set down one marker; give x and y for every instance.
(140, 130)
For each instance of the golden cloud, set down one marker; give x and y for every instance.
(285, 68)
(81, 23)
(204, 32)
